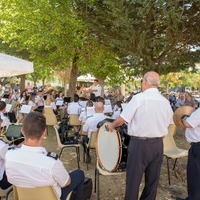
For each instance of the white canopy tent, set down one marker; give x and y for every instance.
(12, 66)
(86, 78)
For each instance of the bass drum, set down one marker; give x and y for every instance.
(111, 153)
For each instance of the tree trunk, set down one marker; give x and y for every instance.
(73, 77)
(22, 82)
(101, 82)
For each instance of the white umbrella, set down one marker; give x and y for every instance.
(12, 66)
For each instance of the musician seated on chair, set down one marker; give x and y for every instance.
(32, 166)
(91, 122)
(6, 122)
(4, 184)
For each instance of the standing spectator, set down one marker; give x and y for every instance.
(29, 87)
(189, 101)
(181, 100)
(148, 115)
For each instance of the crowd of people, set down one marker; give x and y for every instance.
(146, 114)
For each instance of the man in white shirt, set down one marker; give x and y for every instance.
(148, 115)
(4, 184)
(91, 122)
(74, 107)
(192, 134)
(5, 120)
(90, 125)
(32, 166)
(96, 88)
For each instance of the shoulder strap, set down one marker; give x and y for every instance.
(52, 155)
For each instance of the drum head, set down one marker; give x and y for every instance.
(108, 148)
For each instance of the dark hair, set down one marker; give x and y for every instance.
(76, 97)
(34, 125)
(2, 105)
(93, 97)
(101, 99)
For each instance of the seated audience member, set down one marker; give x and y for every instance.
(189, 101)
(181, 100)
(35, 167)
(4, 184)
(5, 121)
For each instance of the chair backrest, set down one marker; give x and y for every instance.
(39, 193)
(60, 145)
(172, 129)
(74, 120)
(92, 140)
(50, 116)
(169, 143)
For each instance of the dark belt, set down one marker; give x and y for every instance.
(193, 143)
(144, 138)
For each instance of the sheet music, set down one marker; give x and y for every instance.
(90, 111)
(82, 103)
(8, 107)
(123, 105)
(59, 102)
(25, 109)
(108, 109)
(107, 102)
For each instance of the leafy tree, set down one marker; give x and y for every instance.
(146, 35)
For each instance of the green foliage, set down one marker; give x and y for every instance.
(146, 35)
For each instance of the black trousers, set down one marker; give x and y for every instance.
(145, 156)
(4, 184)
(193, 172)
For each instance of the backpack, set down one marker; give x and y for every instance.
(87, 190)
(63, 130)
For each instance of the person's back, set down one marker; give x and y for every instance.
(32, 166)
(74, 107)
(91, 122)
(4, 184)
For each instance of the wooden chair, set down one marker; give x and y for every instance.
(63, 146)
(171, 151)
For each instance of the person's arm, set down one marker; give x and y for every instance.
(118, 122)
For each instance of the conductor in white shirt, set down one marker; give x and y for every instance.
(96, 88)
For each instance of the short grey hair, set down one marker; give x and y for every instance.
(151, 80)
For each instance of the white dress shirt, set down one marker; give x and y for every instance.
(193, 134)
(31, 167)
(148, 114)
(74, 108)
(91, 123)
(3, 150)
